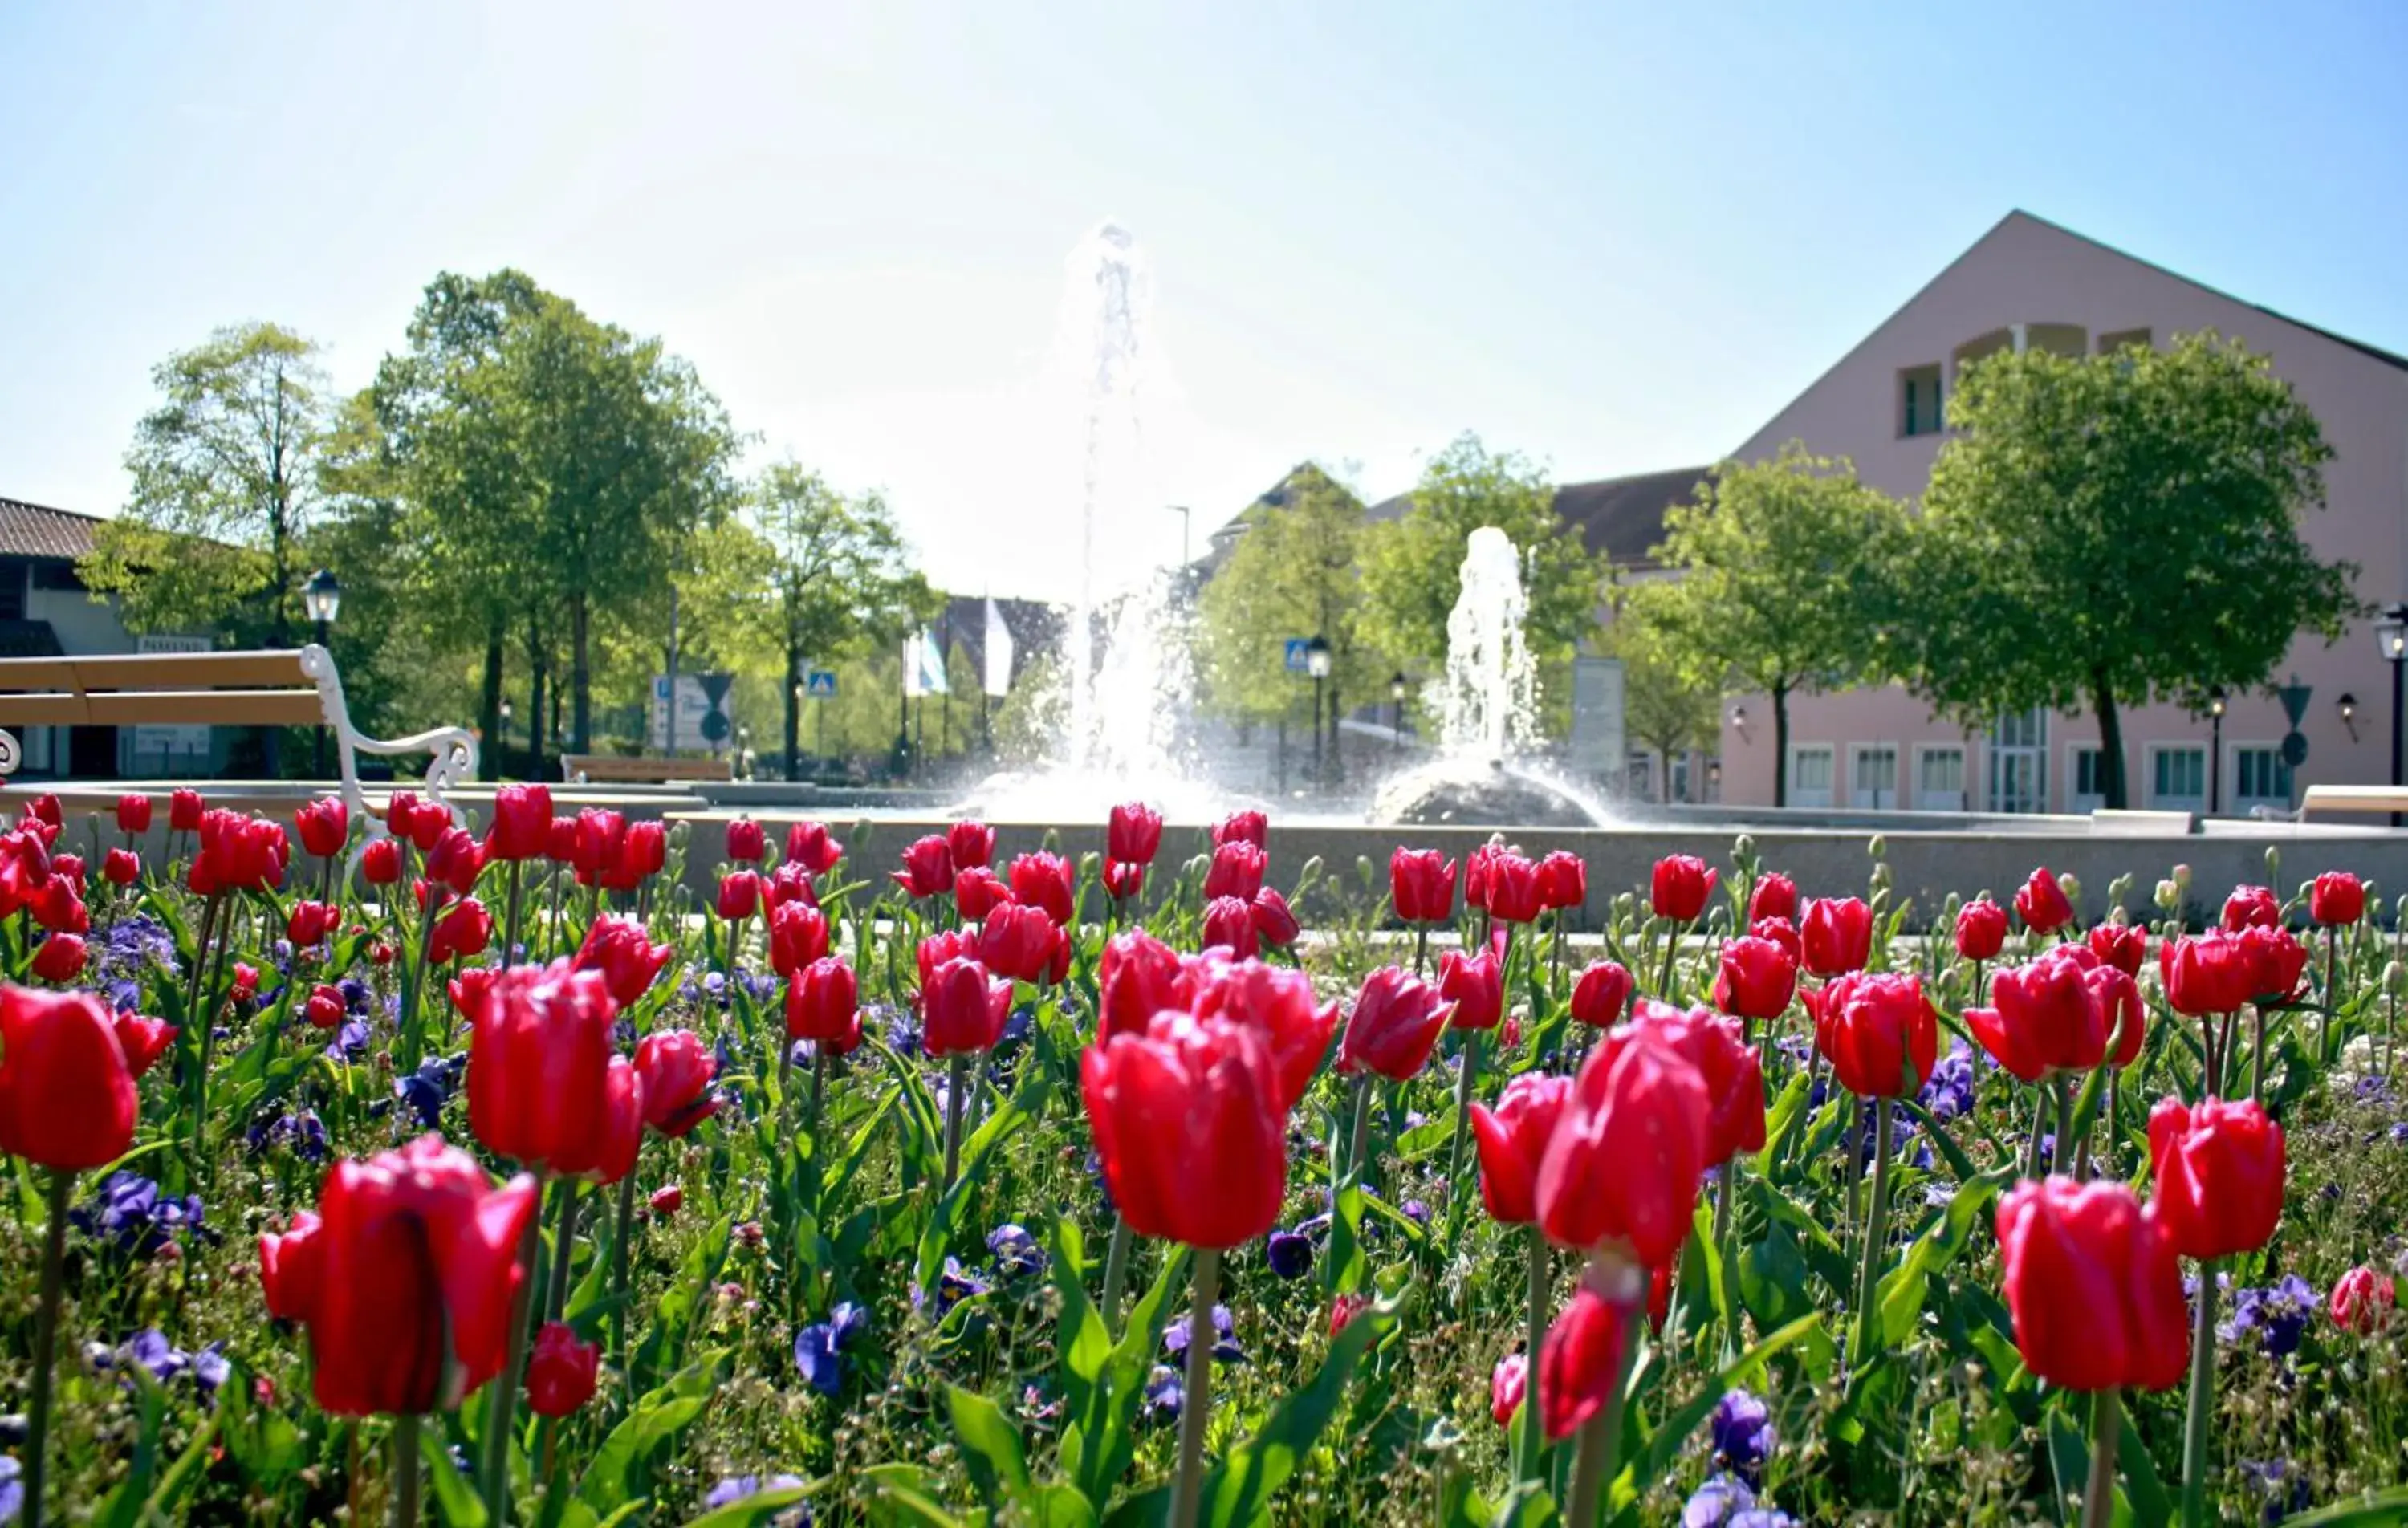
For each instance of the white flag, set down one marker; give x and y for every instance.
(932, 665)
(911, 666)
(999, 654)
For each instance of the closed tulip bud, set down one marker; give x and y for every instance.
(143, 1040)
(1134, 833)
(2219, 1170)
(600, 837)
(739, 895)
(1626, 1159)
(455, 860)
(1421, 883)
(561, 1371)
(810, 845)
(1120, 880)
(1563, 882)
(1877, 847)
(667, 1200)
(325, 1007)
(1475, 985)
(289, 1265)
(2093, 1286)
(2169, 895)
(1743, 846)
(464, 931)
(2251, 906)
(823, 1006)
(2070, 885)
(1679, 886)
(798, 935)
(2121, 946)
(60, 958)
(1879, 1031)
(1513, 1139)
(2122, 1014)
(1395, 1024)
(1189, 1120)
(2273, 863)
(2043, 904)
(2362, 1301)
(978, 892)
(676, 1068)
(927, 868)
(184, 808)
(1237, 870)
(1579, 1361)
(1601, 994)
(2044, 1020)
(67, 1100)
(962, 1011)
(746, 843)
(1045, 881)
(380, 861)
(1242, 827)
(1506, 1384)
(311, 923)
(1273, 920)
(1509, 888)
(1140, 977)
(618, 950)
(1774, 895)
(1019, 942)
(971, 843)
(1981, 930)
(642, 854)
(521, 825)
(2337, 898)
(1229, 925)
(2394, 977)
(1836, 936)
(133, 814)
(121, 867)
(1756, 978)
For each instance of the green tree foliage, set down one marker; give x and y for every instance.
(1784, 578)
(1664, 706)
(225, 477)
(2109, 530)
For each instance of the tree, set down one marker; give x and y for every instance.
(1782, 579)
(2110, 531)
(1664, 707)
(1413, 567)
(225, 481)
(1296, 572)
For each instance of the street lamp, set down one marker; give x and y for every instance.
(1396, 695)
(2347, 706)
(321, 597)
(1316, 663)
(2391, 639)
(2215, 745)
(506, 725)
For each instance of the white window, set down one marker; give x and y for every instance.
(1810, 774)
(1872, 775)
(2085, 777)
(1920, 411)
(2019, 763)
(2178, 777)
(2259, 779)
(1939, 778)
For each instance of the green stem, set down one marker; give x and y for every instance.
(2106, 1424)
(1671, 948)
(563, 1236)
(1725, 1188)
(405, 1470)
(1195, 1407)
(1534, 1441)
(1466, 1074)
(46, 1342)
(502, 1395)
(1594, 1470)
(1359, 1142)
(818, 1089)
(2331, 1022)
(2258, 1053)
(622, 1230)
(1421, 948)
(957, 1078)
(1876, 1234)
(511, 932)
(1115, 1275)
(2202, 1400)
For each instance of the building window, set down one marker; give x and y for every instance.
(1921, 411)
(1640, 777)
(2260, 777)
(2068, 339)
(2085, 779)
(12, 588)
(2178, 777)
(2019, 763)
(1872, 775)
(1810, 774)
(1939, 779)
(2109, 344)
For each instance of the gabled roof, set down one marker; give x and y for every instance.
(32, 530)
(1620, 517)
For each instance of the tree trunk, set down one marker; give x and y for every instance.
(794, 710)
(538, 672)
(581, 698)
(2110, 743)
(1337, 764)
(489, 707)
(1781, 745)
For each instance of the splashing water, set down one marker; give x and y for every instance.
(1105, 306)
(1486, 700)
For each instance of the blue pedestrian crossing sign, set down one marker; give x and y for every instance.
(1299, 655)
(820, 684)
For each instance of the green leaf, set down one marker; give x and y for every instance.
(1650, 1462)
(658, 1417)
(2069, 1456)
(2376, 1509)
(1898, 1298)
(455, 1496)
(1238, 1491)
(990, 1448)
(978, 1154)
(2142, 1489)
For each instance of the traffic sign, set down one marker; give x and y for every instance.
(1299, 655)
(2295, 749)
(820, 684)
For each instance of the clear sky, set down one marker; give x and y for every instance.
(1613, 238)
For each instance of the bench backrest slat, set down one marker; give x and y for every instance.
(206, 707)
(155, 671)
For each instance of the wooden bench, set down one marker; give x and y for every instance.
(2341, 800)
(265, 689)
(622, 769)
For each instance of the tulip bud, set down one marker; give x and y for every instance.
(2169, 895)
(1878, 846)
(2392, 978)
(2069, 884)
(2273, 862)
(1743, 846)
(2118, 889)
(2182, 876)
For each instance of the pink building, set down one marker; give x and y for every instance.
(2029, 283)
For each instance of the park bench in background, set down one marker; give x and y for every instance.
(262, 689)
(621, 769)
(2342, 800)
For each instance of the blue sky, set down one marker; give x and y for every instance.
(1616, 238)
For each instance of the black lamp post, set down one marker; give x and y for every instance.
(1396, 696)
(1316, 663)
(2214, 746)
(322, 598)
(2391, 638)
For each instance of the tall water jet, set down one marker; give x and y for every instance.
(1486, 700)
(1105, 300)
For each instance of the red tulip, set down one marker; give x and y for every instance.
(1120, 880)
(2362, 1300)
(133, 814)
(143, 1040)
(823, 1006)
(2219, 1171)
(2044, 1018)
(406, 1278)
(121, 867)
(970, 842)
(325, 1007)
(66, 1093)
(1600, 995)
(1679, 888)
(927, 868)
(60, 958)
(1512, 1140)
(1563, 882)
(468, 989)
(1237, 870)
(57, 907)
(1879, 1031)
(1506, 1384)
(2122, 1015)
(2121, 946)
(69, 867)
(739, 895)
(2338, 898)
(2041, 901)
(642, 854)
(2252, 906)
(1275, 1003)
(1395, 1024)
(1757, 979)
(1273, 920)
(810, 845)
(1511, 883)
(1627, 1157)
(667, 1200)
(521, 825)
(561, 1370)
(2274, 959)
(310, 923)
(798, 935)
(1140, 977)
(601, 836)
(1836, 936)
(560, 843)
(1229, 925)
(1044, 880)
(1475, 986)
(1774, 895)
(937, 949)
(1188, 1119)
(789, 883)
(2093, 1286)
(1579, 1362)
(961, 1010)
(978, 892)
(246, 982)
(540, 1058)
(1242, 827)
(746, 843)
(2205, 974)
(420, 821)
(1728, 1067)
(240, 854)
(625, 957)
(455, 860)
(1019, 942)
(1421, 883)
(184, 808)
(1781, 930)
(1134, 833)
(44, 808)
(380, 861)
(676, 1068)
